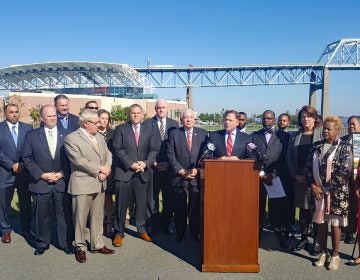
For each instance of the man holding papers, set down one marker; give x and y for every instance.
(272, 144)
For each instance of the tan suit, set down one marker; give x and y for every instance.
(87, 191)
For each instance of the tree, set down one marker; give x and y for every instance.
(119, 114)
(35, 114)
(15, 99)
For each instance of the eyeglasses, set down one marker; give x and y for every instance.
(94, 123)
(92, 108)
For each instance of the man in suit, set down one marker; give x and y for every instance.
(162, 174)
(184, 151)
(272, 145)
(66, 122)
(242, 122)
(12, 172)
(233, 148)
(45, 159)
(90, 161)
(135, 148)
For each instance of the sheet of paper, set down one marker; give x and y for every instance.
(276, 190)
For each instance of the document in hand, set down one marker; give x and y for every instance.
(276, 190)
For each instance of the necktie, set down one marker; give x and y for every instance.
(51, 143)
(189, 140)
(229, 145)
(136, 133)
(162, 130)
(14, 134)
(94, 143)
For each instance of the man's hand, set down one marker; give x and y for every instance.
(17, 168)
(105, 170)
(102, 177)
(229, 158)
(52, 177)
(267, 179)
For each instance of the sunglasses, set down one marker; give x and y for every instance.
(93, 108)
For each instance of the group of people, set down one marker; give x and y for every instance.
(73, 166)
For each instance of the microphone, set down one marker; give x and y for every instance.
(210, 147)
(253, 149)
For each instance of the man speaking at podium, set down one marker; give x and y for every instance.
(230, 143)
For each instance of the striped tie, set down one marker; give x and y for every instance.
(229, 145)
(162, 130)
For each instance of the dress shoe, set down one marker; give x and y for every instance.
(301, 245)
(6, 237)
(353, 262)
(117, 240)
(103, 250)
(144, 236)
(39, 251)
(349, 239)
(80, 255)
(67, 250)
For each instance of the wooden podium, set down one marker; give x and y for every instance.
(230, 216)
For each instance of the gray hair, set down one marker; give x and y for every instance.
(158, 101)
(87, 115)
(182, 114)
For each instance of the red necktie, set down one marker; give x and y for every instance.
(229, 144)
(136, 133)
(189, 140)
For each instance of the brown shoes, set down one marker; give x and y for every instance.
(117, 241)
(103, 250)
(144, 236)
(80, 255)
(6, 237)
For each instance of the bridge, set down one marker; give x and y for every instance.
(340, 55)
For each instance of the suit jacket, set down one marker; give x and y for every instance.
(86, 162)
(239, 146)
(272, 150)
(38, 160)
(162, 145)
(9, 152)
(73, 124)
(178, 151)
(126, 151)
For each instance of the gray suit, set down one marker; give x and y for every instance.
(84, 186)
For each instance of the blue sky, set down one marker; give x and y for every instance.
(190, 32)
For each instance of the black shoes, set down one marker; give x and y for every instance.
(315, 249)
(301, 245)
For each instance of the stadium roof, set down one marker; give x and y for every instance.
(57, 75)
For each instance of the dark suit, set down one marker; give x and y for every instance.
(181, 158)
(127, 181)
(239, 146)
(38, 160)
(9, 155)
(275, 159)
(162, 179)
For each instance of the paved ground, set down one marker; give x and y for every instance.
(163, 259)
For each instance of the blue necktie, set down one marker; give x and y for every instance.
(14, 134)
